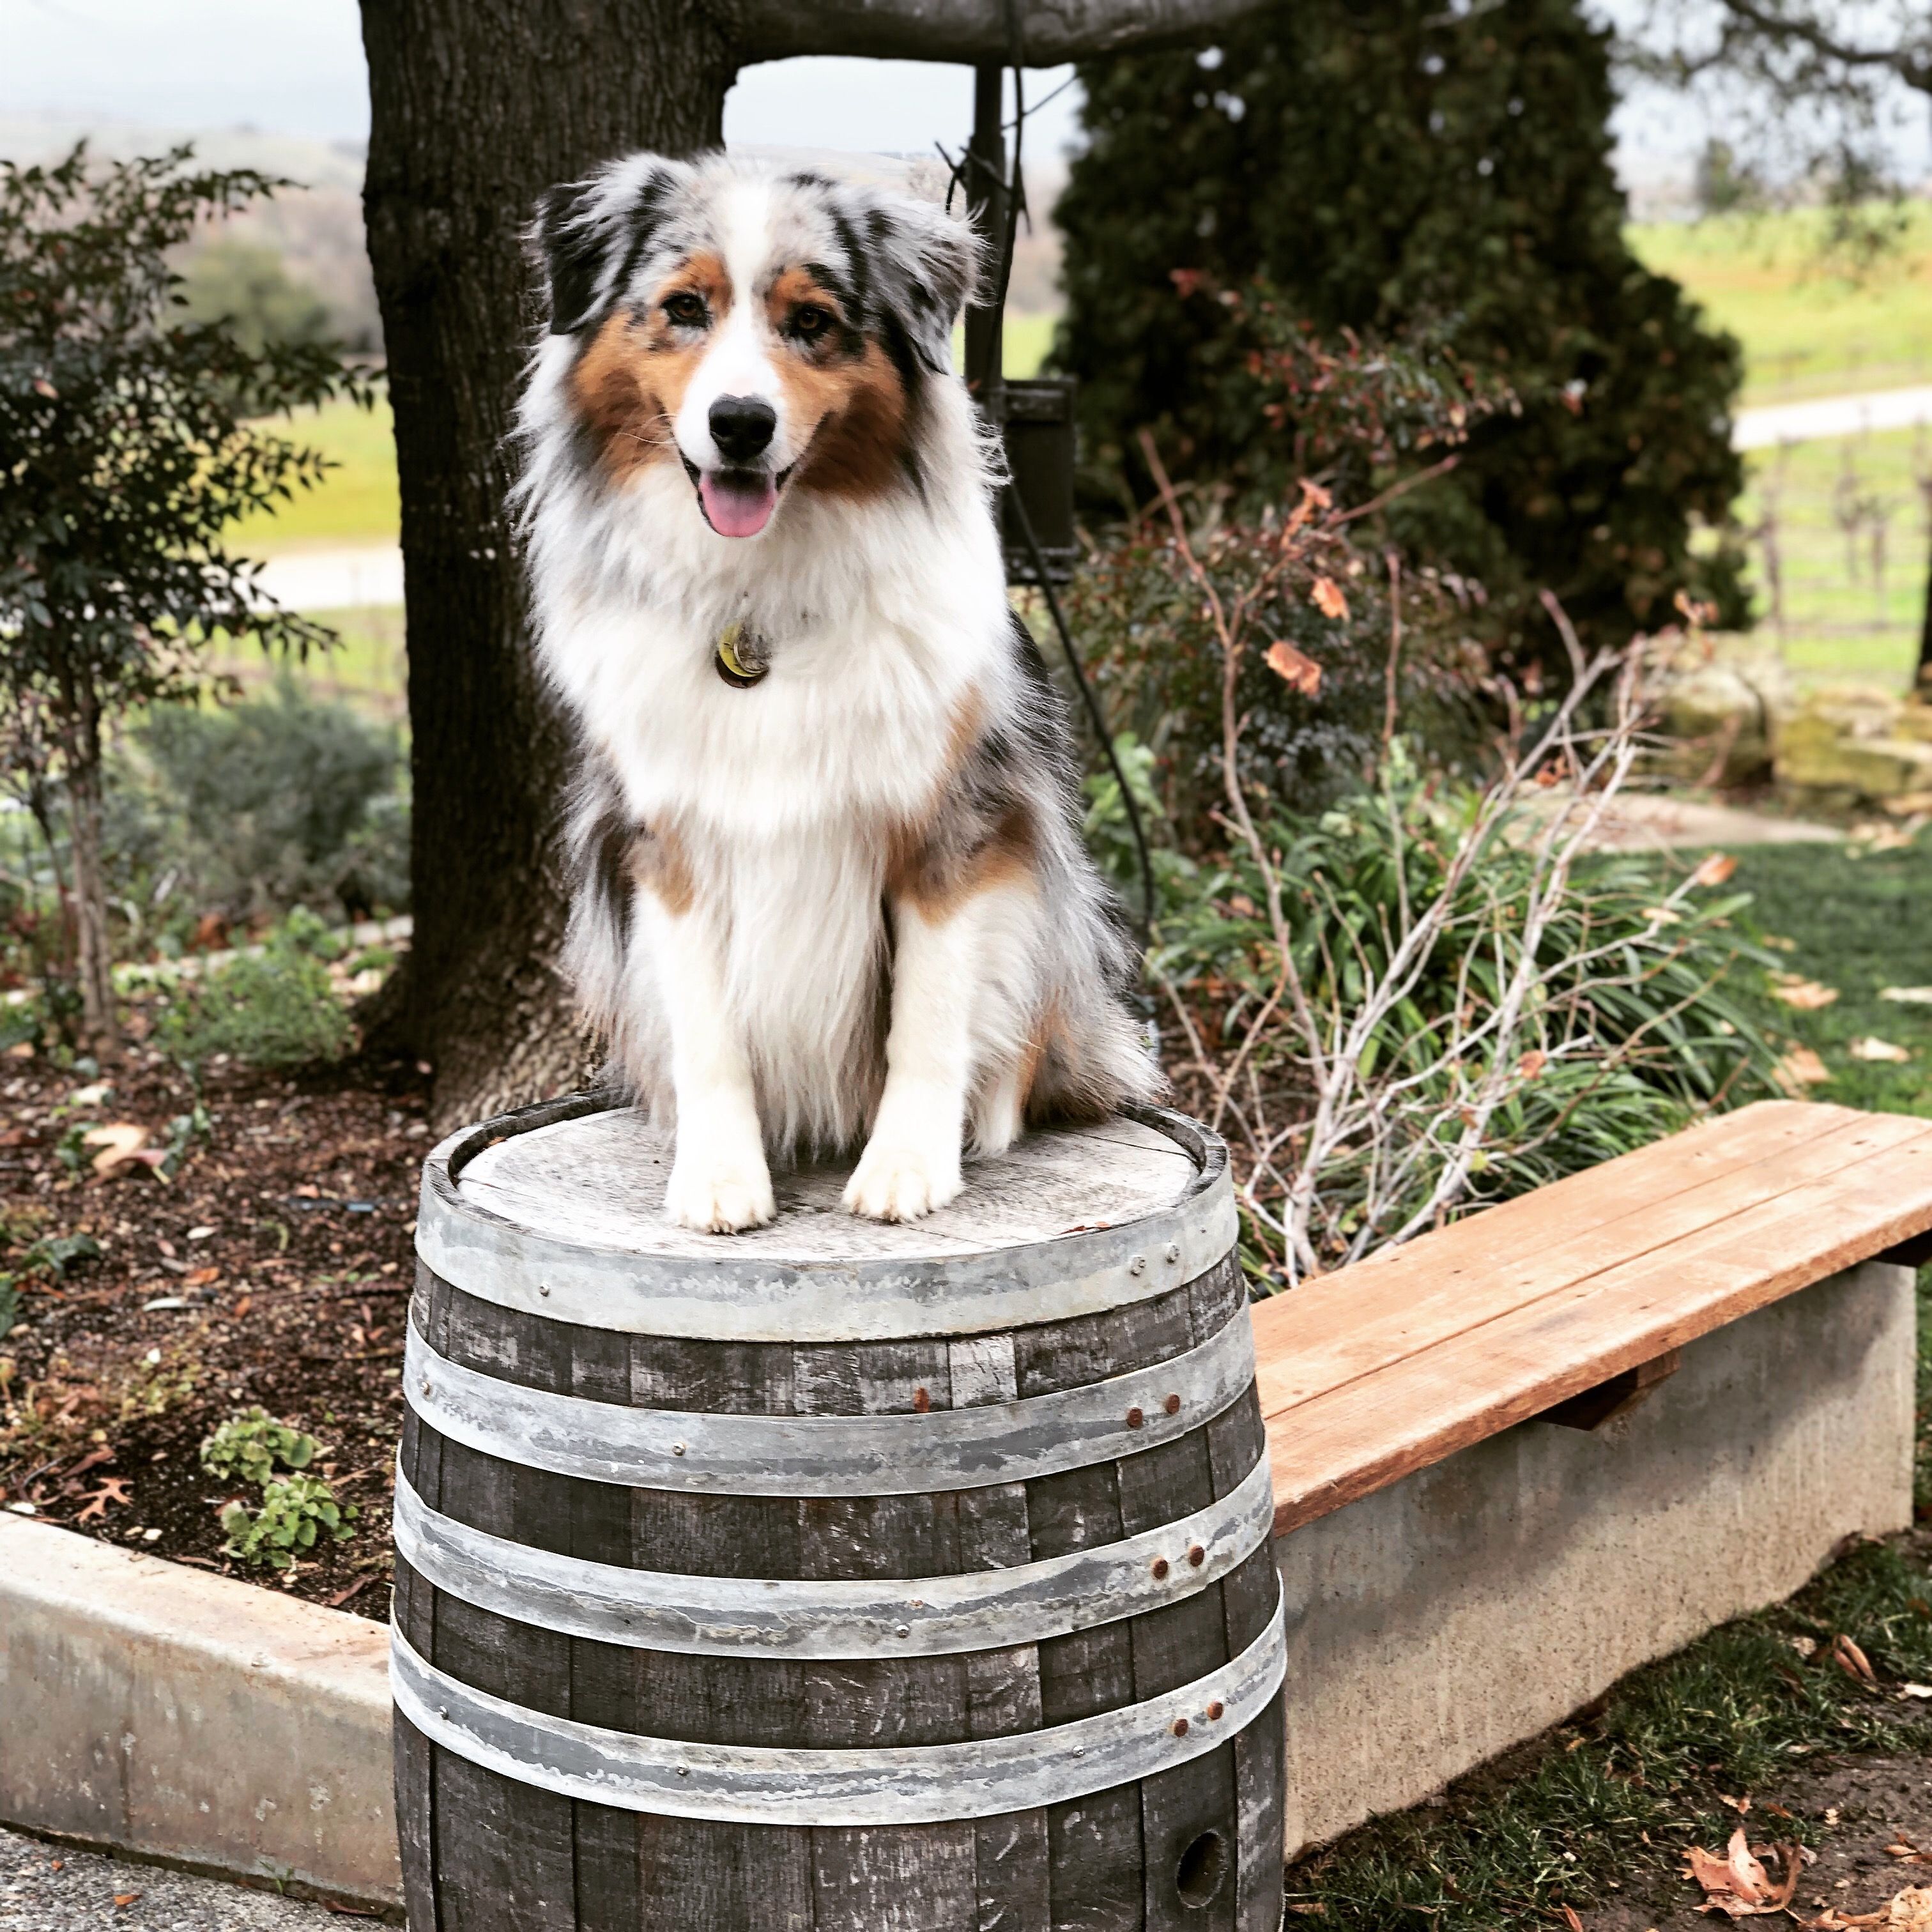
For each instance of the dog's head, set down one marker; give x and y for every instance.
(766, 332)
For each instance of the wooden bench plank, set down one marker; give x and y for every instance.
(1567, 1331)
(1362, 1321)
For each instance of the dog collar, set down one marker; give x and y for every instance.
(741, 657)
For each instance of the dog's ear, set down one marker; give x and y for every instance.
(928, 263)
(589, 235)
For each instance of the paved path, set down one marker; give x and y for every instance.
(80, 1896)
(1831, 415)
(369, 576)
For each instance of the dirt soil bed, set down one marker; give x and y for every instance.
(274, 1268)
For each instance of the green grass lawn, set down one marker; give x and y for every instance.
(1852, 600)
(355, 503)
(368, 669)
(1806, 330)
(1858, 924)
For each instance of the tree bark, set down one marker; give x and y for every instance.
(94, 955)
(1924, 681)
(477, 105)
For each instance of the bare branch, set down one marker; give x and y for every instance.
(969, 30)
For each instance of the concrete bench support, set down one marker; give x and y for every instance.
(156, 1709)
(1473, 1603)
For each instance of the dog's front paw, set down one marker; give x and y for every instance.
(900, 1183)
(719, 1197)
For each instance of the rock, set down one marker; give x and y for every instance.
(1717, 718)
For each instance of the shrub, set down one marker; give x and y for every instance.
(282, 801)
(297, 1512)
(1389, 169)
(276, 1008)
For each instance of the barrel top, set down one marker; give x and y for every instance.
(558, 1210)
(600, 1180)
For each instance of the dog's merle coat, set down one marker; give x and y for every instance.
(850, 900)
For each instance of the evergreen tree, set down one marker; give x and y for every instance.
(1402, 169)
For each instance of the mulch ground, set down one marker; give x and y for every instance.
(274, 1268)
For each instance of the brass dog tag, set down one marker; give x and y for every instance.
(741, 655)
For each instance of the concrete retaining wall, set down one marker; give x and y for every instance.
(1471, 1605)
(166, 1711)
(159, 1710)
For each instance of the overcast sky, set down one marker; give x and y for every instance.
(295, 67)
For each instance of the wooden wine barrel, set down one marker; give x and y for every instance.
(834, 1576)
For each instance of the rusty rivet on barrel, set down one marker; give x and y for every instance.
(677, 1448)
(922, 1403)
(1179, 1727)
(1197, 1555)
(1137, 1265)
(1215, 1709)
(1174, 1251)
(1172, 1405)
(1136, 1417)
(1160, 1566)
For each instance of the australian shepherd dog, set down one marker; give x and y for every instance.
(830, 882)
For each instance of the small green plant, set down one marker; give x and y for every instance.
(278, 1008)
(55, 1254)
(296, 1513)
(250, 1444)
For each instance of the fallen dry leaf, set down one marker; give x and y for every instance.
(119, 1141)
(1907, 996)
(1808, 995)
(1916, 1690)
(1739, 1805)
(1569, 1917)
(1295, 668)
(111, 1495)
(122, 1900)
(1531, 1063)
(1798, 1069)
(1738, 1884)
(1853, 1661)
(201, 1277)
(1871, 1047)
(1713, 868)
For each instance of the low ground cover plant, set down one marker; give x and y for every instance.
(278, 1007)
(295, 1511)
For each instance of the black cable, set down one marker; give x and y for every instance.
(1015, 203)
(1099, 721)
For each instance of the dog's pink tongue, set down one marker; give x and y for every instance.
(738, 507)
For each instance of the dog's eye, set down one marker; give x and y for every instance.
(808, 320)
(685, 309)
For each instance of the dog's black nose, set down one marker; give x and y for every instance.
(741, 427)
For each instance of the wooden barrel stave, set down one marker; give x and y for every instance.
(1099, 1862)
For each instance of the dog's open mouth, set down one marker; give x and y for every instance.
(736, 502)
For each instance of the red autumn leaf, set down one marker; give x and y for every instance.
(1325, 594)
(1295, 668)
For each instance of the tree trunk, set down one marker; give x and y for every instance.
(1923, 684)
(477, 106)
(94, 956)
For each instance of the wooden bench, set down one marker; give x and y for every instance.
(1457, 1581)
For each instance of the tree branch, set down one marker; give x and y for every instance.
(969, 30)
(1773, 23)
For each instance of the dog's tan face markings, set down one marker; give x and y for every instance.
(841, 390)
(628, 382)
